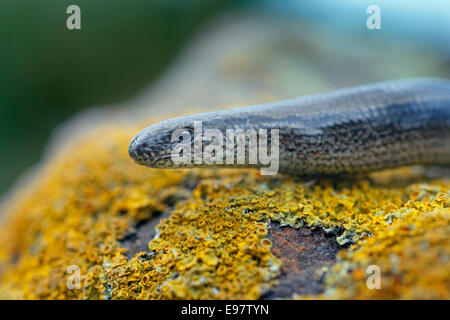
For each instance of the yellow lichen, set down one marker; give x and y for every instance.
(215, 242)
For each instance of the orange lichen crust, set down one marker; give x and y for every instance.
(412, 256)
(215, 244)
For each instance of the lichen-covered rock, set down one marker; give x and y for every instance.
(131, 232)
(214, 244)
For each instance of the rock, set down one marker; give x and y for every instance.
(131, 232)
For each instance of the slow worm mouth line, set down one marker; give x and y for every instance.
(348, 130)
(163, 157)
(143, 159)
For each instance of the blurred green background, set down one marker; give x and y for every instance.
(48, 72)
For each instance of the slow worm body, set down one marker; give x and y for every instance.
(359, 129)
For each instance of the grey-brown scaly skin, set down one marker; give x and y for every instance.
(360, 129)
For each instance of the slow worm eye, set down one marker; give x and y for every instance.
(184, 134)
